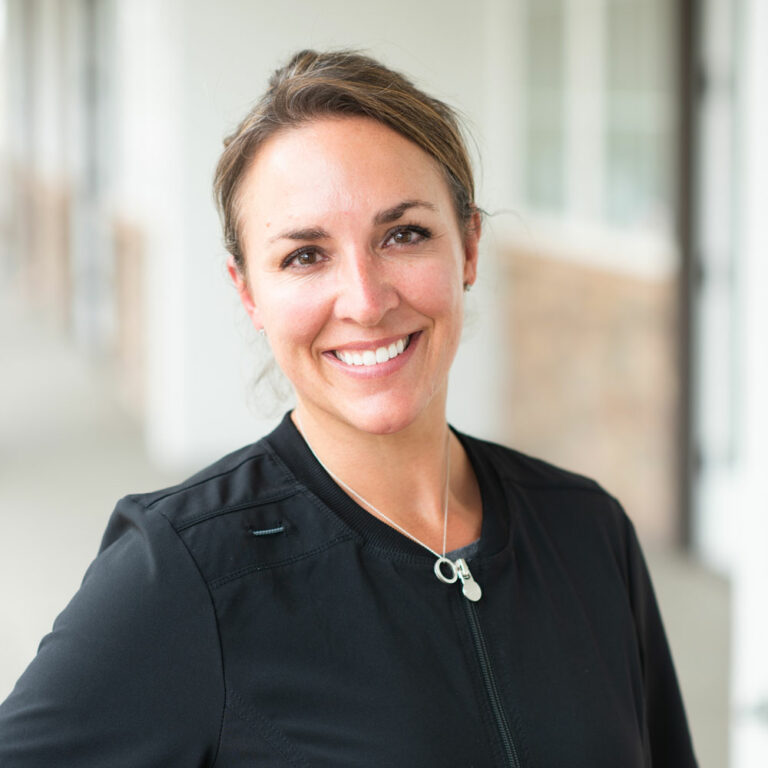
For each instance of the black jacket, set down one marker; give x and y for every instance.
(256, 616)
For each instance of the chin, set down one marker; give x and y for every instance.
(383, 419)
(378, 424)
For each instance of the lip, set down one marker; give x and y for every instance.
(380, 369)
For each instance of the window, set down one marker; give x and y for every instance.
(545, 106)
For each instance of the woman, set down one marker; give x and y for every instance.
(364, 586)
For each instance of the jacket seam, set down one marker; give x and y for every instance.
(222, 580)
(557, 487)
(225, 692)
(268, 731)
(189, 486)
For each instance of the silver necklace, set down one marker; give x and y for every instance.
(447, 570)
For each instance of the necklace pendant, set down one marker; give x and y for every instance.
(445, 570)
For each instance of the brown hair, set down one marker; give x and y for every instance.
(315, 84)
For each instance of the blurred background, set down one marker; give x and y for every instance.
(617, 327)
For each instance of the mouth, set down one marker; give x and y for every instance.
(374, 355)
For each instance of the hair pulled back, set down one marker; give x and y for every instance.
(323, 84)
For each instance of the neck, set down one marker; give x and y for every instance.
(402, 474)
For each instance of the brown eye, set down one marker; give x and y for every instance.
(411, 235)
(307, 257)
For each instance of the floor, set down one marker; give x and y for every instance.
(68, 450)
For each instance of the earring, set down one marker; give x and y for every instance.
(467, 287)
(262, 332)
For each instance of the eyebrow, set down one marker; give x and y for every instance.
(309, 233)
(386, 216)
(393, 214)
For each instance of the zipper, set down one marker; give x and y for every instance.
(491, 690)
(458, 571)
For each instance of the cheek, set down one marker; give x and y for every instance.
(293, 315)
(435, 292)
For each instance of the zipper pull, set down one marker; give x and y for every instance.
(469, 587)
(458, 570)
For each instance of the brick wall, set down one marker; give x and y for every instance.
(592, 377)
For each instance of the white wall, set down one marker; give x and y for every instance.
(747, 515)
(731, 524)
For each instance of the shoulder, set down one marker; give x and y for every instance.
(249, 476)
(525, 470)
(536, 478)
(568, 507)
(221, 519)
(141, 638)
(160, 548)
(139, 643)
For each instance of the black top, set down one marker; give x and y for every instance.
(256, 616)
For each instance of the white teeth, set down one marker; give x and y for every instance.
(373, 356)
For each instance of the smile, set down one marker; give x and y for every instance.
(373, 356)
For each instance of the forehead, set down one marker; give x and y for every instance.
(334, 166)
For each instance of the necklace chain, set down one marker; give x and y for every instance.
(376, 510)
(457, 571)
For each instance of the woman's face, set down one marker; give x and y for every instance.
(355, 268)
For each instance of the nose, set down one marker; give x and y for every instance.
(365, 288)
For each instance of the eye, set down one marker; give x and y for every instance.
(408, 235)
(301, 259)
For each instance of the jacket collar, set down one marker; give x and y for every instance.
(289, 445)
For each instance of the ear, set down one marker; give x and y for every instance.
(471, 247)
(244, 292)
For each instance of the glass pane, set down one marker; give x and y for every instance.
(544, 185)
(639, 97)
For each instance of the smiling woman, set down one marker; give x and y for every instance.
(365, 585)
(369, 253)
